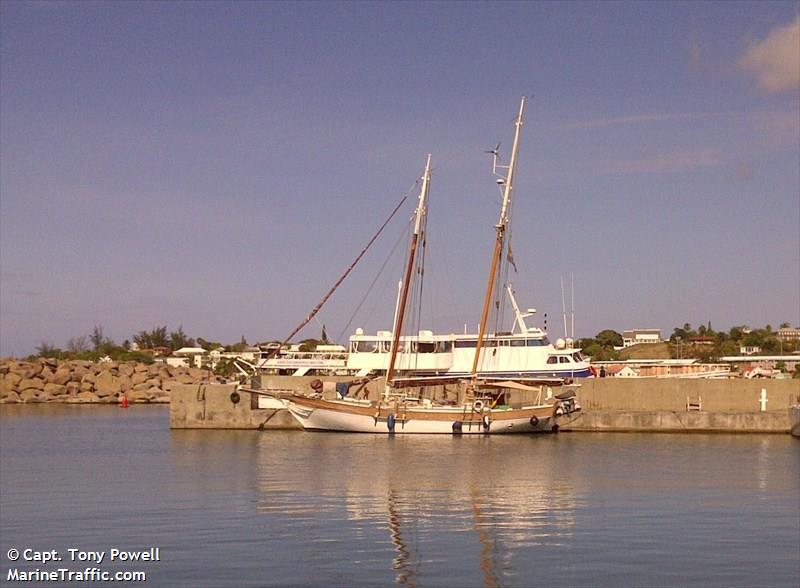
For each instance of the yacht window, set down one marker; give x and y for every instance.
(367, 346)
(577, 358)
(445, 346)
(563, 359)
(535, 342)
(466, 344)
(426, 347)
(518, 343)
(552, 359)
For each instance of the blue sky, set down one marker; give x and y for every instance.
(217, 165)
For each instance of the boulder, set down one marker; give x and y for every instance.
(139, 377)
(198, 374)
(79, 370)
(89, 377)
(125, 369)
(11, 398)
(106, 384)
(55, 389)
(158, 395)
(35, 383)
(184, 378)
(28, 370)
(73, 388)
(46, 374)
(138, 396)
(86, 397)
(87, 386)
(124, 383)
(30, 395)
(12, 380)
(62, 375)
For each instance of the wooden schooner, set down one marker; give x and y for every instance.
(485, 405)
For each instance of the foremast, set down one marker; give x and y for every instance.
(499, 244)
(400, 312)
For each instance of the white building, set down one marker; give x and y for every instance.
(187, 356)
(638, 336)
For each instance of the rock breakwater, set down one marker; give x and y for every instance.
(74, 381)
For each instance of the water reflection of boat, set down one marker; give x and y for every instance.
(487, 404)
(425, 498)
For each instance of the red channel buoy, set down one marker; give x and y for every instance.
(123, 401)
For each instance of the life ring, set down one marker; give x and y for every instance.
(235, 398)
(534, 421)
(477, 406)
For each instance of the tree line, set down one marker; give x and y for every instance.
(703, 343)
(140, 347)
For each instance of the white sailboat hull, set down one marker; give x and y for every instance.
(354, 417)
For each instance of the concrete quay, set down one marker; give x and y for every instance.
(609, 404)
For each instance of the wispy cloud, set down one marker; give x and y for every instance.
(676, 161)
(775, 61)
(638, 119)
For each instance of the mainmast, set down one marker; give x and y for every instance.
(412, 254)
(500, 229)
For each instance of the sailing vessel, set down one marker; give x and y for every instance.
(486, 403)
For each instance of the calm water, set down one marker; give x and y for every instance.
(302, 509)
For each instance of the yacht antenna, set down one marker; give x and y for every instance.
(564, 309)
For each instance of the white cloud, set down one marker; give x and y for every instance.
(775, 61)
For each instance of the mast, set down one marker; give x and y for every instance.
(500, 228)
(412, 254)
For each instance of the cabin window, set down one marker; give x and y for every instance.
(577, 357)
(466, 344)
(563, 359)
(367, 346)
(536, 342)
(427, 347)
(552, 359)
(518, 343)
(445, 346)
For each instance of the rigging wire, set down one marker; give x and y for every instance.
(386, 261)
(341, 279)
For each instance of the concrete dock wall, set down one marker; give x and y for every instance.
(211, 406)
(671, 394)
(609, 404)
